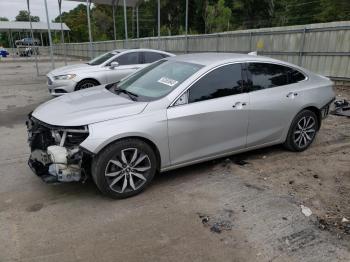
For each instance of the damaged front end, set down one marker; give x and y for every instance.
(55, 152)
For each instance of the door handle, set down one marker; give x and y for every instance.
(291, 94)
(239, 105)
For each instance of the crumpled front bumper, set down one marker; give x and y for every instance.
(50, 159)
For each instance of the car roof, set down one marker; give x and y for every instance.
(207, 59)
(139, 50)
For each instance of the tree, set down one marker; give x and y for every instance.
(252, 13)
(334, 10)
(76, 20)
(205, 16)
(296, 12)
(217, 17)
(24, 16)
(4, 37)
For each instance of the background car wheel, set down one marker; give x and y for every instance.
(124, 168)
(302, 131)
(86, 83)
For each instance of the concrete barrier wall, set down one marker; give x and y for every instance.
(323, 48)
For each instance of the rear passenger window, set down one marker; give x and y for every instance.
(223, 81)
(150, 57)
(295, 76)
(264, 75)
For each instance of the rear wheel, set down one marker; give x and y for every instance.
(124, 168)
(86, 83)
(302, 131)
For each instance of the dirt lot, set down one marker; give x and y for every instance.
(222, 210)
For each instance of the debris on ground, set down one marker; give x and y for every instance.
(332, 224)
(342, 108)
(226, 162)
(218, 223)
(322, 224)
(305, 210)
(240, 162)
(218, 227)
(344, 220)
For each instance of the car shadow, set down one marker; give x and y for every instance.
(88, 189)
(197, 169)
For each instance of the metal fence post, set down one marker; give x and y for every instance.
(33, 42)
(250, 41)
(301, 50)
(186, 26)
(217, 42)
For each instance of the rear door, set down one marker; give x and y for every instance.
(275, 98)
(210, 118)
(128, 64)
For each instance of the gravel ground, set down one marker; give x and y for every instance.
(242, 208)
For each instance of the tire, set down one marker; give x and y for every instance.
(86, 83)
(121, 177)
(302, 131)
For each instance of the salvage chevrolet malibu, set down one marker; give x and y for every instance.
(176, 112)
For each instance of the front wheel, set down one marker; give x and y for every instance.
(302, 131)
(86, 83)
(124, 168)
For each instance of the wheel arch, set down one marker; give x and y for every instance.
(312, 108)
(317, 112)
(88, 78)
(143, 139)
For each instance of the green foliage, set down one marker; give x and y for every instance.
(4, 39)
(76, 20)
(24, 16)
(217, 17)
(334, 10)
(205, 16)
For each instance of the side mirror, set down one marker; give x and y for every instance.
(113, 65)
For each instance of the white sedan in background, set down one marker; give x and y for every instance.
(106, 68)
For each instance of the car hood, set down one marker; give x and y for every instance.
(85, 107)
(69, 69)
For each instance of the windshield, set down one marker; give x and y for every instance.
(102, 58)
(158, 79)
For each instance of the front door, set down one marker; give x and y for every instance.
(211, 117)
(128, 64)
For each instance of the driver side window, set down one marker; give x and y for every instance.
(128, 59)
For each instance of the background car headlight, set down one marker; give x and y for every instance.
(64, 77)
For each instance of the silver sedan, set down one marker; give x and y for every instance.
(176, 112)
(106, 68)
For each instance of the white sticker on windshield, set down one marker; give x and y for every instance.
(167, 81)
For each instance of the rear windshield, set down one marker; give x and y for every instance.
(102, 58)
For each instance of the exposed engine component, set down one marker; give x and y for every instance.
(56, 156)
(60, 166)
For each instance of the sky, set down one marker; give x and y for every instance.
(10, 8)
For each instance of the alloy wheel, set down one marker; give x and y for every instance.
(128, 171)
(305, 131)
(86, 85)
